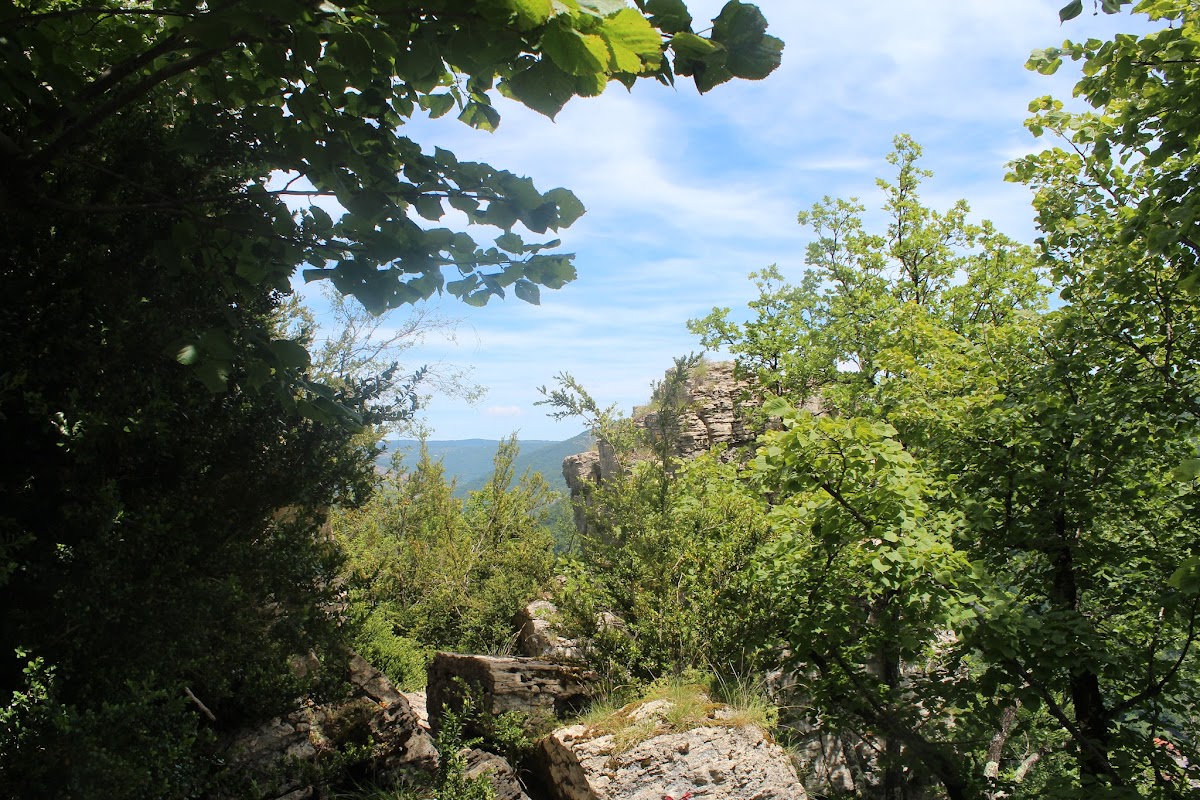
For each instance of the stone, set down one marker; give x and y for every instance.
(501, 774)
(418, 702)
(716, 404)
(714, 761)
(274, 755)
(542, 690)
(538, 635)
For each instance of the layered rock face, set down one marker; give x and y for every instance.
(716, 761)
(715, 403)
(539, 689)
(274, 755)
(713, 412)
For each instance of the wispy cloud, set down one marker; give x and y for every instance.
(687, 194)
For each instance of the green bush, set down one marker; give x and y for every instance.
(428, 571)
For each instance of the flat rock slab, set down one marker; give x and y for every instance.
(715, 762)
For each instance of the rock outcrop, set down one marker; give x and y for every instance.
(504, 779)
(715, 761)
(284, 756)
(538, 633)
(538, 689)
(713, 411)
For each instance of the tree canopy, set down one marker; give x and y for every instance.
(161, 546)
(313, 98)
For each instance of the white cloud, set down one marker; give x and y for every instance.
(687, 194)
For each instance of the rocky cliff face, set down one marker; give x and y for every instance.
(714, 410)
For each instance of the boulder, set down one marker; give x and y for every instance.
(714, 761)
(542, 690)
(539, 637)
(282, 757)
(497, 769)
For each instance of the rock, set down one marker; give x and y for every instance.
(540, 689)
(279, 756)
(585, 471)
(717, 762)
(714, 413)
(502, 775)
(417, 701)
(539, 638)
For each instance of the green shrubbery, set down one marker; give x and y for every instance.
(427, 571)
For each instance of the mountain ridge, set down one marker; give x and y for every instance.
(469, 461)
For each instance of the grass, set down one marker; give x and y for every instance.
(691, 701)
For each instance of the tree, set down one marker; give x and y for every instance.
(426, 571)
(318, 95)
(158, 543)
(987, 495)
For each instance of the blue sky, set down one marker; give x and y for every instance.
(686, 194)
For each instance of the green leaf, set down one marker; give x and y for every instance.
(500, 214)
(574, 52)
(480, 116)
(777, 407)
(739, 25)
(603, 8)
(553, 272)
(691, 46)
(530, 13)
(1187, 577)
(290, 354)
(510, 242)
(528, 291)
(543, 87)
(669, 16)
(430, 207)
(1070, 10)
(636, 45)
(214, 375)
(188, 354)
(755, 62)
(1187, 470)
(353, 51)
(569, 207)
(438, 105)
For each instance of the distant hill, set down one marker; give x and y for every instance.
(470, 460)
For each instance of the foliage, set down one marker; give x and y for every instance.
(427, 571)
(140, 511)
(360, 354)
(318, 95)
(985, 518)
(669, 572)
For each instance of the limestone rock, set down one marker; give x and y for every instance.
(716, 762)
(273, 755)
(539, 638)
(417, 701)
(502, 775)
(714, 411)
(540, 689)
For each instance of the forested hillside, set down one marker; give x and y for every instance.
(469, 461)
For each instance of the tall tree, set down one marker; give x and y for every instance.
(160, 547)
(979, 531)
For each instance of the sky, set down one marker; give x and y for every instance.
(687, 194)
